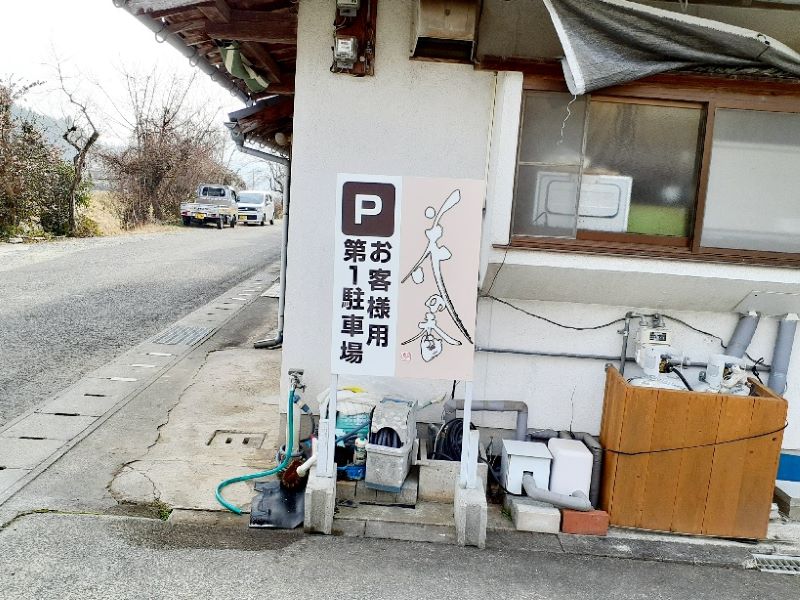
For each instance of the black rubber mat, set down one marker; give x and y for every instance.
(276, 507)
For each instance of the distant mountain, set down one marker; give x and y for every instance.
(52, 127)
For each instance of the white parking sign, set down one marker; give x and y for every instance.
(406, 276)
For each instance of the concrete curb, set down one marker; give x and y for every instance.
(677, 552)
(124, 378)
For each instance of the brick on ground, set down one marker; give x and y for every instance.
(593, 522)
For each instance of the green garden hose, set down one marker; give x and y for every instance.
(284, 463)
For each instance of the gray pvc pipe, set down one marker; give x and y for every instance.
(743, 335)
(596, 449)
(591, 443)
(609, 359)
(782, 354)
(277, 341)
(577, 501)
(452, 405)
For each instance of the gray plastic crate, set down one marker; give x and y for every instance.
(387, 467)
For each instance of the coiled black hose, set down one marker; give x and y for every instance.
(385, 437)
(447, 445)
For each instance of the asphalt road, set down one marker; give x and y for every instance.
(68, 307)
(82, 556)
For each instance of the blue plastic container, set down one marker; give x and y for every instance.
(789, 467)
(353, 472)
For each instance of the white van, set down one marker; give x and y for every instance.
(257, 207)
(215, 204)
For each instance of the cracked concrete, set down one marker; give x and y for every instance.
(81, 479)
(235, 390)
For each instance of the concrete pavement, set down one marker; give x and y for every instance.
(86, 557)
(68, 307)
(67, 534)
(79, 480)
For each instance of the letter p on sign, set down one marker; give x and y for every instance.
(368, 209)
(363, 201)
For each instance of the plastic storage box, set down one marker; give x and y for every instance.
(571, 470)
(524, 457)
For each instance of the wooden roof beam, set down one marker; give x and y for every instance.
(268, 32)
(184, 26)
(263, 59)
(259, 16)
(221, 15)
(276, 89)
(218, 11)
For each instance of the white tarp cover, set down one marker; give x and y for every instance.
(609, 42)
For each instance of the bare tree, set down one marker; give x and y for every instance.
(277, 177)
(173, 144)
(81, 135)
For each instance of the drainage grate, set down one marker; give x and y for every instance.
(182, 335)
(777, 563)
(236, 438)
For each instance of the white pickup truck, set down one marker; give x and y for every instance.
(215, 204)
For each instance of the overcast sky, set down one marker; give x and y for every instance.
(93, 40)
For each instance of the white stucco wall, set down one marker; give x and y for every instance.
(586, 290)
(411, 118)
(432, 119)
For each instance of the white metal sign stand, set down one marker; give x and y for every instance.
(327, 434)
(469, 444)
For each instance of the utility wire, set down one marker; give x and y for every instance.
(556, 323)
(756, 362)
(708, 445)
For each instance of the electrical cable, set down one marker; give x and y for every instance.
(681, 377)
(715, 336)
(620, 320)
(755, 369)
(447, 444)
(496, 273)
(556, 323)
(697, 329)
(496, 476)
(708, 445)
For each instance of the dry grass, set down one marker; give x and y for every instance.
(104, 211)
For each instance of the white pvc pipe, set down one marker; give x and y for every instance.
(303, 469)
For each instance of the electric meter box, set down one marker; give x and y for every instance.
(345, 51)
(348, 8)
